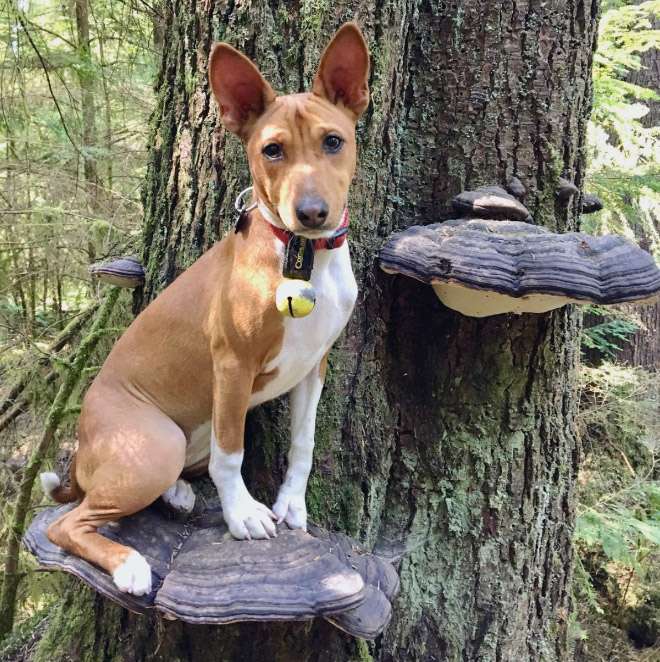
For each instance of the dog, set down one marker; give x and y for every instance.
(172, 396)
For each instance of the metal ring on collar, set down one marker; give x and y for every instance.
(239, 201)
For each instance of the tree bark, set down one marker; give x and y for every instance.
(87, 106)
(443, 442)
(649, 75)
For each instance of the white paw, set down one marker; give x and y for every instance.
(133, 575)
(180, 496)
(291, 509)
(248, 519)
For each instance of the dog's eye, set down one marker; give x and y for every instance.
(272, 151)
(332, 143)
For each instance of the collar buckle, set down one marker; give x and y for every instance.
(243, 211)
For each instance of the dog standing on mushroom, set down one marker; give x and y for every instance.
(213, 344)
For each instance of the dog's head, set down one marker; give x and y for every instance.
(301, 147)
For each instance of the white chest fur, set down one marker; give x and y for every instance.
(308, 339)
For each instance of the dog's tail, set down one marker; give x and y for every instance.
(50, 484)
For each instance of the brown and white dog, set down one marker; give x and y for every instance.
(213, 344)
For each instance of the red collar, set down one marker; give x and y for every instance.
(337, 239)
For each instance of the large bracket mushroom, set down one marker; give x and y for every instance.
(488, 267)
(203, 575)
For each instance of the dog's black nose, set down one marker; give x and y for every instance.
(312, 212)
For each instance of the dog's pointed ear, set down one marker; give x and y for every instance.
(239, 88)
(344, 70)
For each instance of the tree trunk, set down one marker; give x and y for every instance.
(649, 75)
(444, 442)
(87, 107)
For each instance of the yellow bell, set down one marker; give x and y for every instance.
(295, 298)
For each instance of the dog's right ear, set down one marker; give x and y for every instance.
(342, 76)
(239, 88)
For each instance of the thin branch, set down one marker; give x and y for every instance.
(11, 577)
(623, 455)
(41, 28)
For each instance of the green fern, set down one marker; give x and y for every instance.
(617, 533)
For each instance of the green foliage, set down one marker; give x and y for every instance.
(21, 641)
(75, 113)
(75, 98)
(603, 336)
(626, 525)
(624, 154)
(617, 531)
(617, 327)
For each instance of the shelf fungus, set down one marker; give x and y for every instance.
(565, 190)
(490, 202)
(485, 267)
(516, 188)
(203, 575)
(591, 203)
(124, 272)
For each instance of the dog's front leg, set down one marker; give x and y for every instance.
(290, 505)
(245, 517)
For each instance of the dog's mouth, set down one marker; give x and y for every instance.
(316, 233)
(324, 231)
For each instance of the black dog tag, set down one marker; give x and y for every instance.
(299, 258)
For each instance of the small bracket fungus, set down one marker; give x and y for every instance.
(565, 190)
(484, 267)
(203, 575)
(490, 202)
(591, 203)
(124, 272)
(516, 188)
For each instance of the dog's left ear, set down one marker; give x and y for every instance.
(344, 70)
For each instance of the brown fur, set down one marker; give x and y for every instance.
(199, 350)
(323, 367)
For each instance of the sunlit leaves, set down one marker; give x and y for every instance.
(624, 154)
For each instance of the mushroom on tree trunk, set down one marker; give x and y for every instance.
(203, 575)
(489, 267)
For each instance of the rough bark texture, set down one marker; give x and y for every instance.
(443, 441)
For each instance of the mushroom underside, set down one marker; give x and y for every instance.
(484, 303)
(123, 272)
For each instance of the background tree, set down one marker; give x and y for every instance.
(64, 67)
(624, 164)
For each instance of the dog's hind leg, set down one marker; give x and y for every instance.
(76, 532)
(150, 461)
